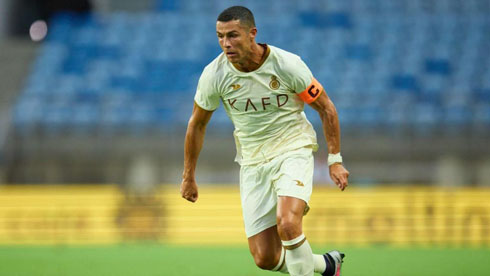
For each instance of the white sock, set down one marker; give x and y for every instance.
(318, 260)
(320, 264)
(299, 257)
(281, 265)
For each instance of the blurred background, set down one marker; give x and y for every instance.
(95, 98)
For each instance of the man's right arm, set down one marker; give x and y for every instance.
(194, 138)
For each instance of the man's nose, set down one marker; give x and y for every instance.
(226, 43)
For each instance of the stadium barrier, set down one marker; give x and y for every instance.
(401, 216)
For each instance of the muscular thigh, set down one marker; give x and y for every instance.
(266, 245)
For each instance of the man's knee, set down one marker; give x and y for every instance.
(265, 261)
(289, 226)
(290, 212)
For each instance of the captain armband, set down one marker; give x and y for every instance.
(311, 92)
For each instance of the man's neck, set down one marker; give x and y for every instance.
(254, 61)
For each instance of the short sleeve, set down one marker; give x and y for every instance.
(303, 83)
(301, 76)
(207, 96)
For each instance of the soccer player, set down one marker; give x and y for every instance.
(263, 90)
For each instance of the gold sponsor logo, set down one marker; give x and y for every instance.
(299, 183)
(235, 86)
(274, 84)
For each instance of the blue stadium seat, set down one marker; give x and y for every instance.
(167, 5)
(84, 118)
(425, 117)
(55, 118)
(358, 51)
(404, 82)
(326, 20)
(437, 66)
(457, 116)
(27, 114)
(481, 118)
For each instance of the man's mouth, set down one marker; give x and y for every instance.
(230, 54)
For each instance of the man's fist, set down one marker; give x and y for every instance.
(188, 190)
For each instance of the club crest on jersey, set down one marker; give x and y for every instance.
(235, 86)
(274, 84)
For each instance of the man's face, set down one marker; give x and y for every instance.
(235, 40)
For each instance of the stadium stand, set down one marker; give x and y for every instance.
(388, 64)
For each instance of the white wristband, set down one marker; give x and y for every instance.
(334, 158)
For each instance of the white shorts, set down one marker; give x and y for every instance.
(289, 174)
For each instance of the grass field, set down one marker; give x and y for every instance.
(161, 260)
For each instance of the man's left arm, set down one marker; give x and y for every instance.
(331, 128)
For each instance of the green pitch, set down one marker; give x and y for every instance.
(141, 259)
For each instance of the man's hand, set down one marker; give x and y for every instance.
(339, 175)
(188, 190)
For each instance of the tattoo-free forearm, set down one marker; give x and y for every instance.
(194, 140)
(331, 127)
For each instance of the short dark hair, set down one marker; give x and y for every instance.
(241, 13)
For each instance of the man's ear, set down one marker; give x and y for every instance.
(253, 32)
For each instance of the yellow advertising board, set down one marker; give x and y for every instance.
(358, 216)
(58, 214)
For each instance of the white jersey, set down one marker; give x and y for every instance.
(265, 105)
